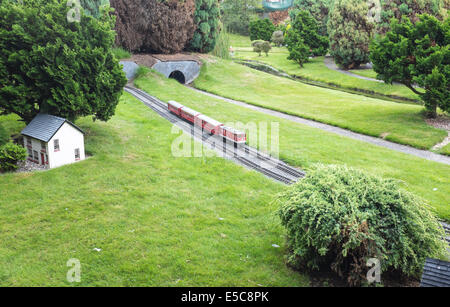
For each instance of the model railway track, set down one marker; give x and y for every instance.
(247, 156)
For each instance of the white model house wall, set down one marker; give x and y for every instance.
(69, 139)
(36, 150)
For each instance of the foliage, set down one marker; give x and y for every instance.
(417, 55)
(306, 28)
(261, 46)
(48, 64)
(4, 137)
(121, 53)
(409, 8)
(261, 29)
(278, 38)
(206, 19)
(350, 32)
(319, 9)
(298, 50)
(93, 7)
(236, 15)
(154, 25)
(222, 48)
(338, 218)
(10, 155)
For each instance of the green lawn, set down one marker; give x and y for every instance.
(303, 146)
(445, 150)
(154, 217)
(315, 70)
(401, 123)
(369, 73)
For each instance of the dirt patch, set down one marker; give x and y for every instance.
(178, 57)
(143, 60)
(440, 122)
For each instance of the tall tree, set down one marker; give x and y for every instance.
(350, 32)
(207, 20)
(237, 14)
(50, 64)
(417, 55)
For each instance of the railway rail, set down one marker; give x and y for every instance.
(245, 155)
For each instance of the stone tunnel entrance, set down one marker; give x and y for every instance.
(179, 76)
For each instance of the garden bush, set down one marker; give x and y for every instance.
(299, 52)
(350, 32)
(278, 38)
(261, 29)
(260, 46)
(319, 9)
(10, 155)
(338, 218)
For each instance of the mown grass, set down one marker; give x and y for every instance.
(401, 123)
(445, 150)
(369, 73)
(316, 70)
(303, 146)
(154, 217)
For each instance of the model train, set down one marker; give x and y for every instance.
(207, 124)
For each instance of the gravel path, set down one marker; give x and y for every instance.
(425, 154)
(329, 62)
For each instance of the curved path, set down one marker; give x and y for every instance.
(425, 154)
(329, 62)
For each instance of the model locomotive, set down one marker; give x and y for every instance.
(207, 124)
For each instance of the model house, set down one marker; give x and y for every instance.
(53, 141)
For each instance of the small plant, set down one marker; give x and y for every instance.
(10, 155)
(261, 46)
(261, 29)
(339, 217)
(121, 53)
(278, 38)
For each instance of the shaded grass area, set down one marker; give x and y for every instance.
(303, 146)
(12, 124)
(400, 123)
(154, 217)
(316, 70)
(369, 73)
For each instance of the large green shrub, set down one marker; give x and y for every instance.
(299, 52)
(350, 32)
(417, 54)
(10, 155)
(319, 9)
(261, 29)
(338, 218)
(50, 64)
(409, 8)
(260, 46)
(206, 19)
(304, 24)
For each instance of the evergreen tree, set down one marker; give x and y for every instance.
(350, 32)
(319, 9)
(206, 19)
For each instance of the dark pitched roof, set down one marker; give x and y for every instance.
(436, 273)
(43, 127)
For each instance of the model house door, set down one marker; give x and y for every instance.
(42, 159)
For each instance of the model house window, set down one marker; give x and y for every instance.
(30, 153)
(29, 141)
(43, 146)
(36, 155)
(56, 145)
(77, 154)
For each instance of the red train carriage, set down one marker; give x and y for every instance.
(233, 135)
(208, 124)
(175, 107)
(189, 114)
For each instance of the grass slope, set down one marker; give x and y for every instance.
(154, 217)
(401, 123)
(303, 146)
(316, 70)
